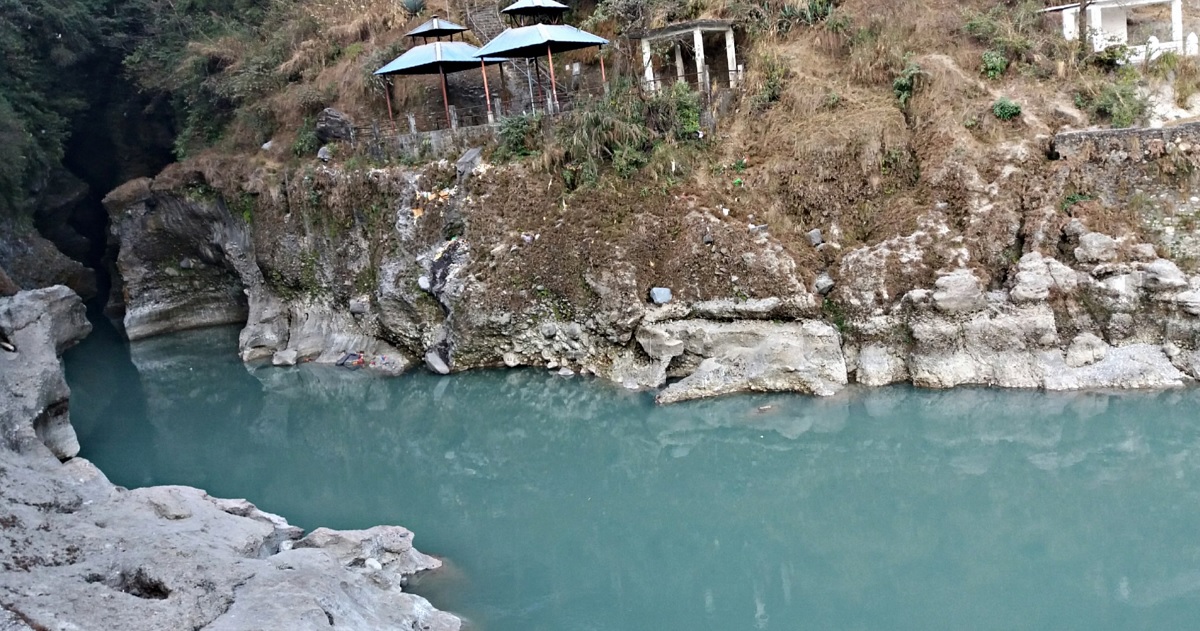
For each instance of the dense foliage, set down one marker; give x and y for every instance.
(46, 46)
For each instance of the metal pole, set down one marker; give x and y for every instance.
(487, 94)
(553, 87)
(445, 98)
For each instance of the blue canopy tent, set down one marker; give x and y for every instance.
(437, 28)
(440, 58)
(531, 42)
(524, 11)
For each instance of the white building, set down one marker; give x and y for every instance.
(1108, 21)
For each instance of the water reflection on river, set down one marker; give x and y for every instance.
(568, 503)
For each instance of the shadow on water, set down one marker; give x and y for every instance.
(564, 503)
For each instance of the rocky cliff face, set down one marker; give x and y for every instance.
(1033, 273)
(78, 552)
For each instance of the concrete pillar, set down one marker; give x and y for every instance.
(453, 118)
(701, 71)
(412, 124)
(648, 65)
(497, 104)
(1192, 48)
(731, 58)
(1070, 24)
(1177, 21)
(1096, 28)
(680, 75)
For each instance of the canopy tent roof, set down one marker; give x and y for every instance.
(533, 41)
(532, 7)
(436, 57)
(437, 27)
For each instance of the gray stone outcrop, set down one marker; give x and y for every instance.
(80, 553)
(747, 356)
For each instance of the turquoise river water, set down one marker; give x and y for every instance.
(565, 504)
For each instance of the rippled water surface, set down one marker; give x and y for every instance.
(569, 504)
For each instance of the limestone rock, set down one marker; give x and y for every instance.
(1163, 275)
(286, 357)
(1189, 301)
(95, 556)
(1037, 276)
(1085, 349)
(990, 348)
(748, 356)
(332, 125)
(660, 295)
(1095, 247)
(434, 362)
(823, 285)
(752, 309)
(1131, 366)
(41, 324)
(880, 365)
(958, 292)
(153, 231)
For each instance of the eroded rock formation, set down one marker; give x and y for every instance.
(80, 553)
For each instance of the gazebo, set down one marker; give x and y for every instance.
(680, 31)
(531, 42)
(440, 58)
(528, 12)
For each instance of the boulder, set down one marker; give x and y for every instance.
(1038, 275)
(823, 285)
(880, 365)
(660, 295)
(435, 363)
(1189, 301)
(742, 356)
(1095, 247)
(1086, 349)
(1163, 275)
(287, 357)
(333, 125)
(958, 292)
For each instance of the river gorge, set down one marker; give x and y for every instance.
(571, 503)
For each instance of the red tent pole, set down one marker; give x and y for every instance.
(445, 99)
(553, 87)
(387, 94)
(487, 94)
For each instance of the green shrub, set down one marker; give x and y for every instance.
(1110, 59)
(905, 85)
(307, 142)
(994, 64)
(1118, 101)
(518, 136)
(1006, 109)
(675, 112)
(770, 88)
(1075, 198)
(1011, 31)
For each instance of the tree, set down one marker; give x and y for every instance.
(1085, 33)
